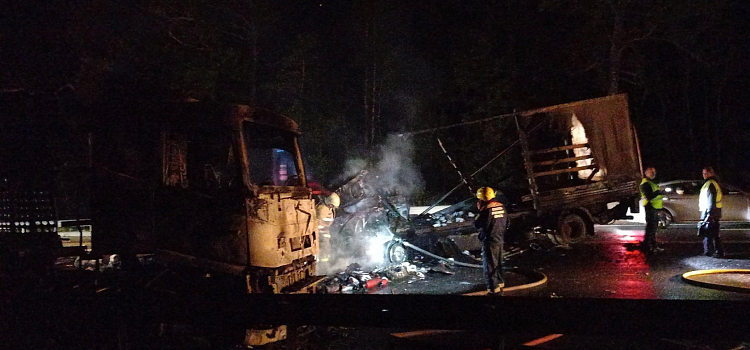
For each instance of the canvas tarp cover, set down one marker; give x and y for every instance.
(609, 131)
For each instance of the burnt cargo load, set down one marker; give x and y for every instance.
(582, 164)
(220, 187)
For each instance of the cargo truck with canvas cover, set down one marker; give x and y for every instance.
(220, 187)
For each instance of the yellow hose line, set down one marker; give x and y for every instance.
(537, 283)
(540, 282)
(688, 277)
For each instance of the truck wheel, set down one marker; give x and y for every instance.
(665, 218)
(572, 228)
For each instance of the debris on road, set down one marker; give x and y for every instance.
(356, 280)
(441, 267)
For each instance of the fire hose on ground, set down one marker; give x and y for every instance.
(540, 277)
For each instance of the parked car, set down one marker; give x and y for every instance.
(681, 202)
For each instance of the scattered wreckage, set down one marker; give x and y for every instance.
(582, 166)
(376, 239)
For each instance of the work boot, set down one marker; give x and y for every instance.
(497, 291)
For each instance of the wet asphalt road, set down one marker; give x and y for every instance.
(608, 265)
(605, 266)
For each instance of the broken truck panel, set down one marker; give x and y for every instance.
(580, 155)
(284, 229)
(582, 167)
(595, 135)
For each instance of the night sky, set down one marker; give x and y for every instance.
(352, 72)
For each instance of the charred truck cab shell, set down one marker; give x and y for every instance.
(219, 187)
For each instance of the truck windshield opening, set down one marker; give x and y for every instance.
(271, 156)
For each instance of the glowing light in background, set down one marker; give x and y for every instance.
(639, 217)
(376, 246)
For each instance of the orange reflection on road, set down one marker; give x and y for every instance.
(634, 280)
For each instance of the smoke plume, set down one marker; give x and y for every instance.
(361, 229)
(395, 171)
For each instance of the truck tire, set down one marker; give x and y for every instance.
(572, 228)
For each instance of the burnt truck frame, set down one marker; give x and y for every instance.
(180, 180)
(582, 167)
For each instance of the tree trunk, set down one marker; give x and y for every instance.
(254, 88)
(718, 125)
(302, 82)
(370, 87)
(373, 114)
(366, 94)
(615, 54)
(688, 114)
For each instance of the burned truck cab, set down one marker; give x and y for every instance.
(220, 188)
(281, 222)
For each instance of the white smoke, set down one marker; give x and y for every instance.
(396, 172)
(352, 167)
(393, 174)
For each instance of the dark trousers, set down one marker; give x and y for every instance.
(712, 239)
(492, 261)
(652, 222)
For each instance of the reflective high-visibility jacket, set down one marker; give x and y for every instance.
(709, 202)
(650, 195)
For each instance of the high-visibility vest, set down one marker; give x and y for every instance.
(657, 201)
(703, 200)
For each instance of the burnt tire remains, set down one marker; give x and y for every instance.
(572, 228)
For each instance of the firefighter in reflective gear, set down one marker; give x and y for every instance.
(491, 222)
(709, 203)
(326, 213)
(651, 198)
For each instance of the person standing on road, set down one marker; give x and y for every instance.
(651, 198)
(491, 222)
(710, 205)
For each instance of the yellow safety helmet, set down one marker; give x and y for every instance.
(333, 200)
(485, 193)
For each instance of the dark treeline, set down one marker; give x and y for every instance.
(352, 72)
